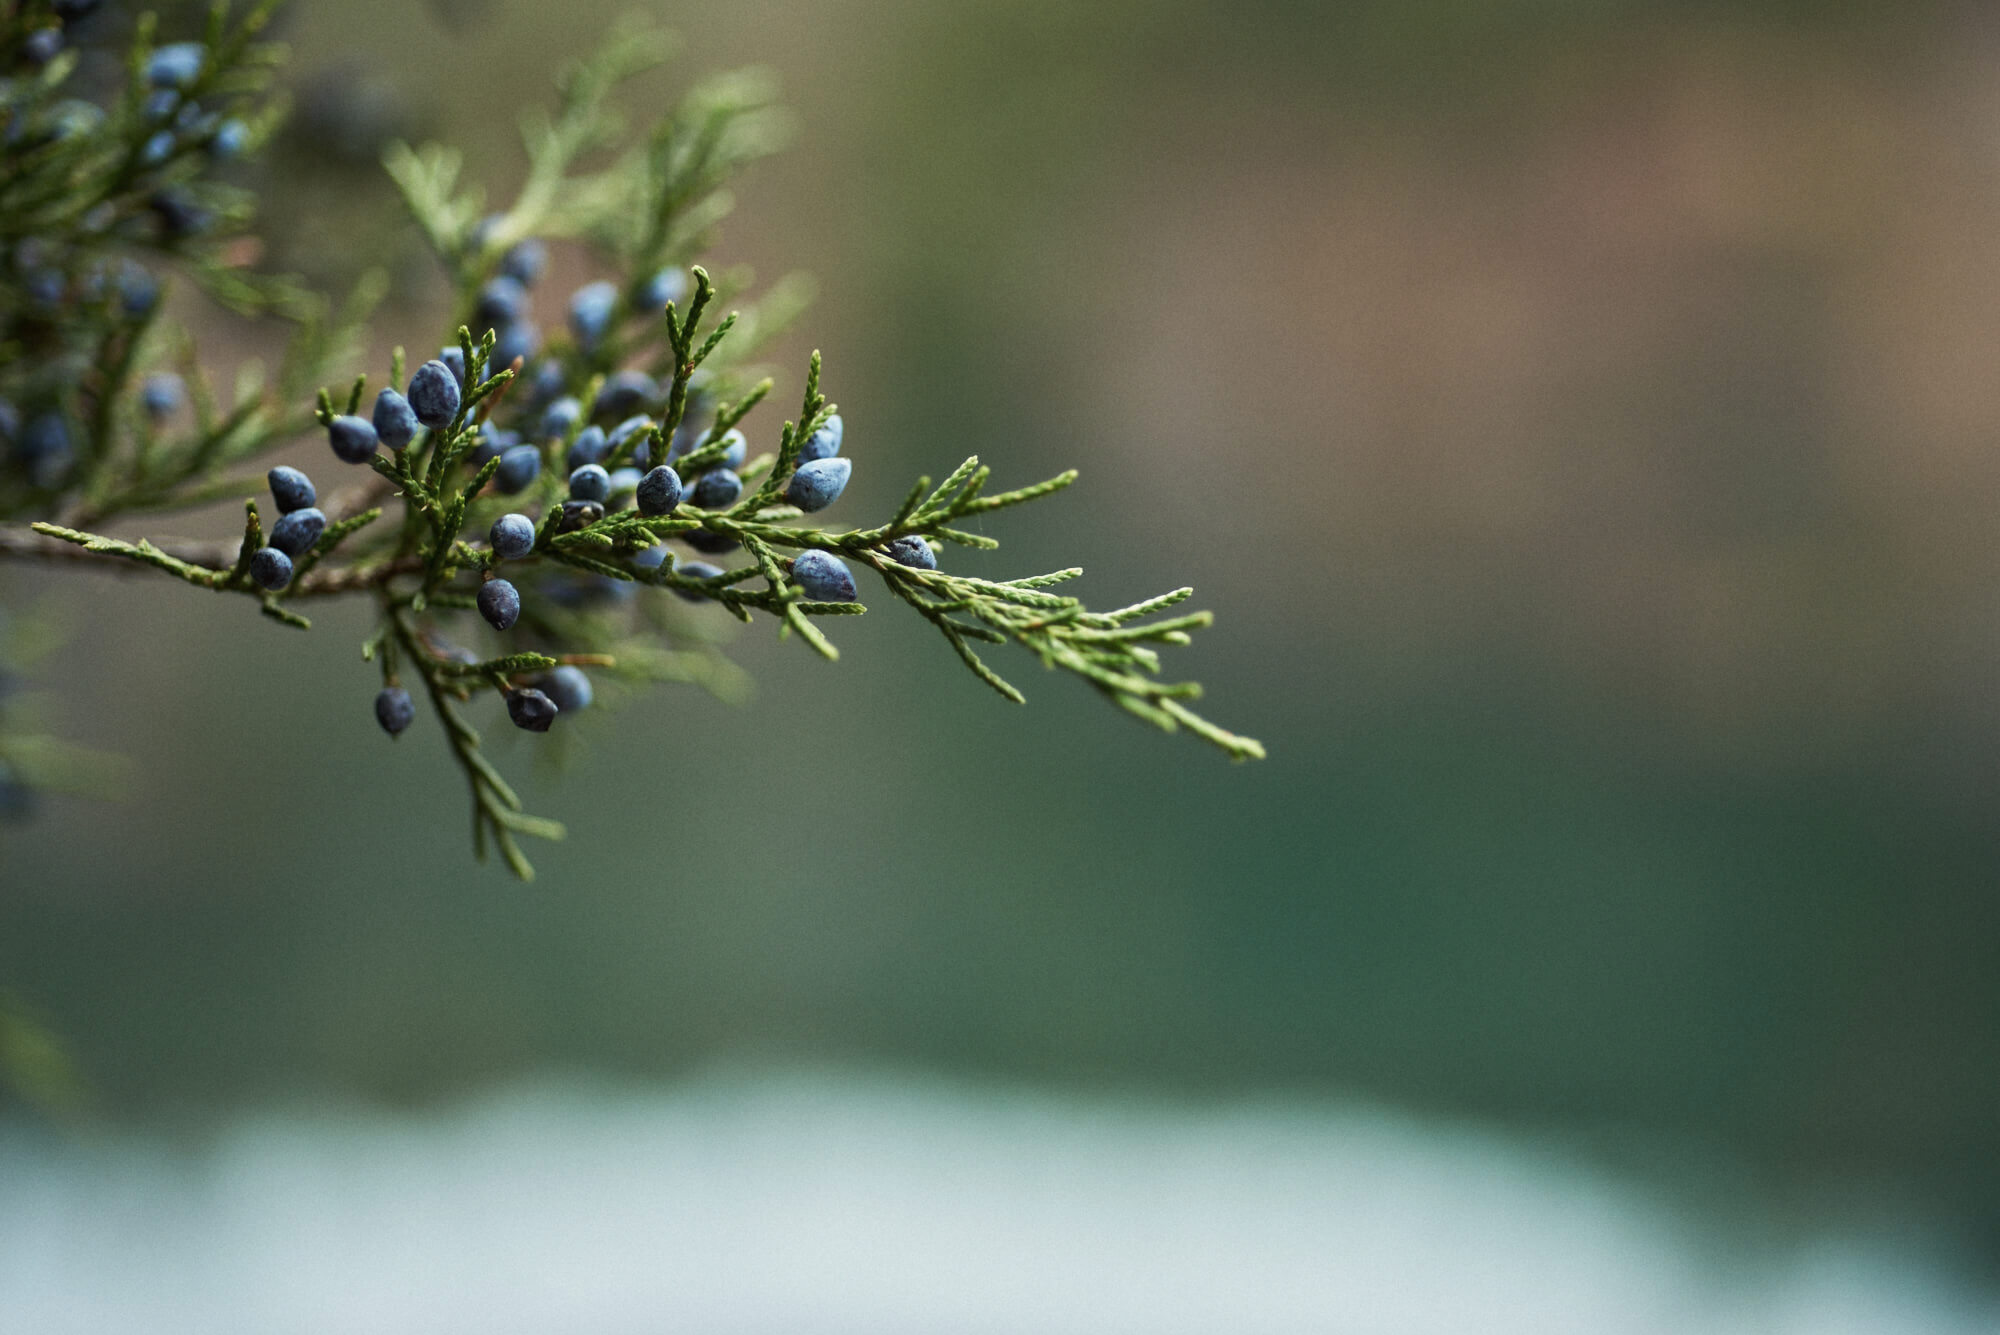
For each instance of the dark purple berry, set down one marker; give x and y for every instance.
(531, 710)
(394, 709)
(499, 603)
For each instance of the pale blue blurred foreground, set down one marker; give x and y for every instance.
(811, 1202)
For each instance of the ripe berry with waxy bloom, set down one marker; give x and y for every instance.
(353, 439)
(500, 603)
(824, 578)
(394, 709)
(394, 419)
(271, 568)
(434, 393)
(291, 489)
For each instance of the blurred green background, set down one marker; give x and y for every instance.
(1581, 415)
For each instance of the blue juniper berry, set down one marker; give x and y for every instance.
(229, 139)
(434, 391)
(512, 536)
(823, 443)
(652, 558)
(589, 447)
(590, 483)
(353, 439)
(818, 484)
(824, 578)
(590, 309)
(712, 544)
(531, 710)
(500, 603)
(138, 290)
(735, 449)
(578, 514)
(560, 417)
(695, 570)
(659, 491)
(158, 149)
(43, 45)
(395, 420)
(161, 395)
(628, 428)
(546, 384)
(669, 284)
(394, 710)
(271, 568)
(502, 301)
(519, 467)
(625, 481)
(567, 688)
(524, 261)
(717, 488)
(175, 65)
(912, 551)
(494, 441)
(297, 530)
(624, 393)
(516, 341)
(454, 360)
(291, 489)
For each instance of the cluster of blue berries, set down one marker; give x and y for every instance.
(171, 71)
(433, 400)
(298, 530)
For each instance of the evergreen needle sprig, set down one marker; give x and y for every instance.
(548, 494)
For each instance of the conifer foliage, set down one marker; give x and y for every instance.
(527, 504)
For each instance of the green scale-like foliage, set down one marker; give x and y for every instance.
(410, 535)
